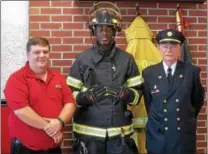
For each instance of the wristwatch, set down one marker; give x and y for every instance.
(61, 121)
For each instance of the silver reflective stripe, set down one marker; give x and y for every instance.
(101, 132)
(87, 130)
(75, 93)
(135, 81)
(140, 122)
(136, 97)
(73, 82)
(117, 131)
(83, 89)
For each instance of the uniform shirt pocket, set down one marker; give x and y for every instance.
(55, 91)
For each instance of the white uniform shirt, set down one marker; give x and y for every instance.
(173, 67)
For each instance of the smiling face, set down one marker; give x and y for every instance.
(105, 34)
(170, 52)
(38, 57)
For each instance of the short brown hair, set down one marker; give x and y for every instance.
(37, 41)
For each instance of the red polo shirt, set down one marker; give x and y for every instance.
(47, 99)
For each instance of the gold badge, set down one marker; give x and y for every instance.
(180, 76)
(169, 34)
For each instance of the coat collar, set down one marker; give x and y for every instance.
(177, 78)
(97, 56)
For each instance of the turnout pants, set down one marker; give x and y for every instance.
(117, 145)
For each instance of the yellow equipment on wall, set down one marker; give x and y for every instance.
(140, 45)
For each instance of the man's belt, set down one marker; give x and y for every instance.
(102, 132)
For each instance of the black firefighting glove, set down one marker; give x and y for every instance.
(92, 95)
(121, 93)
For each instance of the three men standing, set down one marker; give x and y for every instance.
(104, 80)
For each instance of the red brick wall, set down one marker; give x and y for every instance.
(64, 23)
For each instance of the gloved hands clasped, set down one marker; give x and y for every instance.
(120, 93)
(100, 92)
(92, 95)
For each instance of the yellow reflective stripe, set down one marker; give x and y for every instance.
(87, 130)
(140, 122)
(136, 97)
(73, 82)
(100, 132)
(117, 130)
(135, 81)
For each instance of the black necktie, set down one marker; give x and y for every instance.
(170, 77)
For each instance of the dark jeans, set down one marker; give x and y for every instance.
(18, 148)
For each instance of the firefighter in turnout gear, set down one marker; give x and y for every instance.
(104, 79)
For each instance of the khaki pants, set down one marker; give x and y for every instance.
(140, 139)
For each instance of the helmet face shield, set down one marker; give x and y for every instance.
(105, 13)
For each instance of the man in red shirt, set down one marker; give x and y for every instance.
(40, 102)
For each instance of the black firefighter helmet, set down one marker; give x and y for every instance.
(105, 13)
